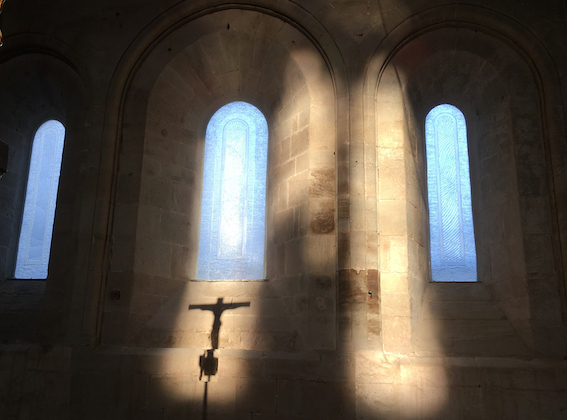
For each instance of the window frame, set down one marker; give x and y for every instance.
(472, 241)
(212, 157)
(55, 177)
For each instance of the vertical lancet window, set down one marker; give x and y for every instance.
(452, 244)
(233, 207)
(34, 245)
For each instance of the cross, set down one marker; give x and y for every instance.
(217, 310)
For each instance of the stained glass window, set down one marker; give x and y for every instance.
(452, 244)
(233, 207)
(34, 245)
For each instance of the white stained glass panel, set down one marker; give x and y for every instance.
(453, 252)
(233, 207)
(34, 245)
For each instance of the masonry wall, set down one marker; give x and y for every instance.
(347, 323)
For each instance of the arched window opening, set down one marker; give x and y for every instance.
(233, 207)
(452, 244)
(34, 245)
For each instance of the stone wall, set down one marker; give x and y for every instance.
(347, 323)
(112, 383)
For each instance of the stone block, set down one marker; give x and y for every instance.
(352, 287)
(234, 367)
(283, 226)
(357, 212)
(160, 148)
(285, 171)
(319, 253)
(149, 218)
(157, 192)
(462, 310)
(322, 182)
(390, 134)
(153, 257)
(392, 180)
(393, 216)
(397, 334)
(465, 376)
(377, 401)
(221, 398)
(373, 367)
(437, 401)
(163, 390)
(372, 250)
(394, 283)
(322, 215)
(299, 142)
(123, 254)
(268, 341)
(288, 397)
(457, 292)
(174, 228)
(282, 193)
(322, 400)
(539, 258)
(399, 254)
(128, 189)
(256, 395)
(321, 134)
(183, 262)
(358, 249)
(396, 305)
(302, 162)
(294, 257)
(301, 220)
(298, 189)
(343, 186)
(535, 215)
(179, 174)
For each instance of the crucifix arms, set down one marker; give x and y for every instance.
(220, 307)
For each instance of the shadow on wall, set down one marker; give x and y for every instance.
(453, 326)
(500, 315)
(278, 353)
(36, 87)
(208, 363)
(218, 58)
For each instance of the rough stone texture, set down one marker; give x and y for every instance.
(347, 324)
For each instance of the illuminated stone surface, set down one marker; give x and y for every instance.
(345, 87)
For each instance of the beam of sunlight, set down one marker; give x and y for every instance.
(413, 355)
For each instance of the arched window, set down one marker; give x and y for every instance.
(232, 236)
(34, 245)
(452, 244)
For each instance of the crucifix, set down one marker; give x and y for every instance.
(217, 310)
(208, 362)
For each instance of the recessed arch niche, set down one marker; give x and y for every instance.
(37, 85)
(201, 65)
(498, 92)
